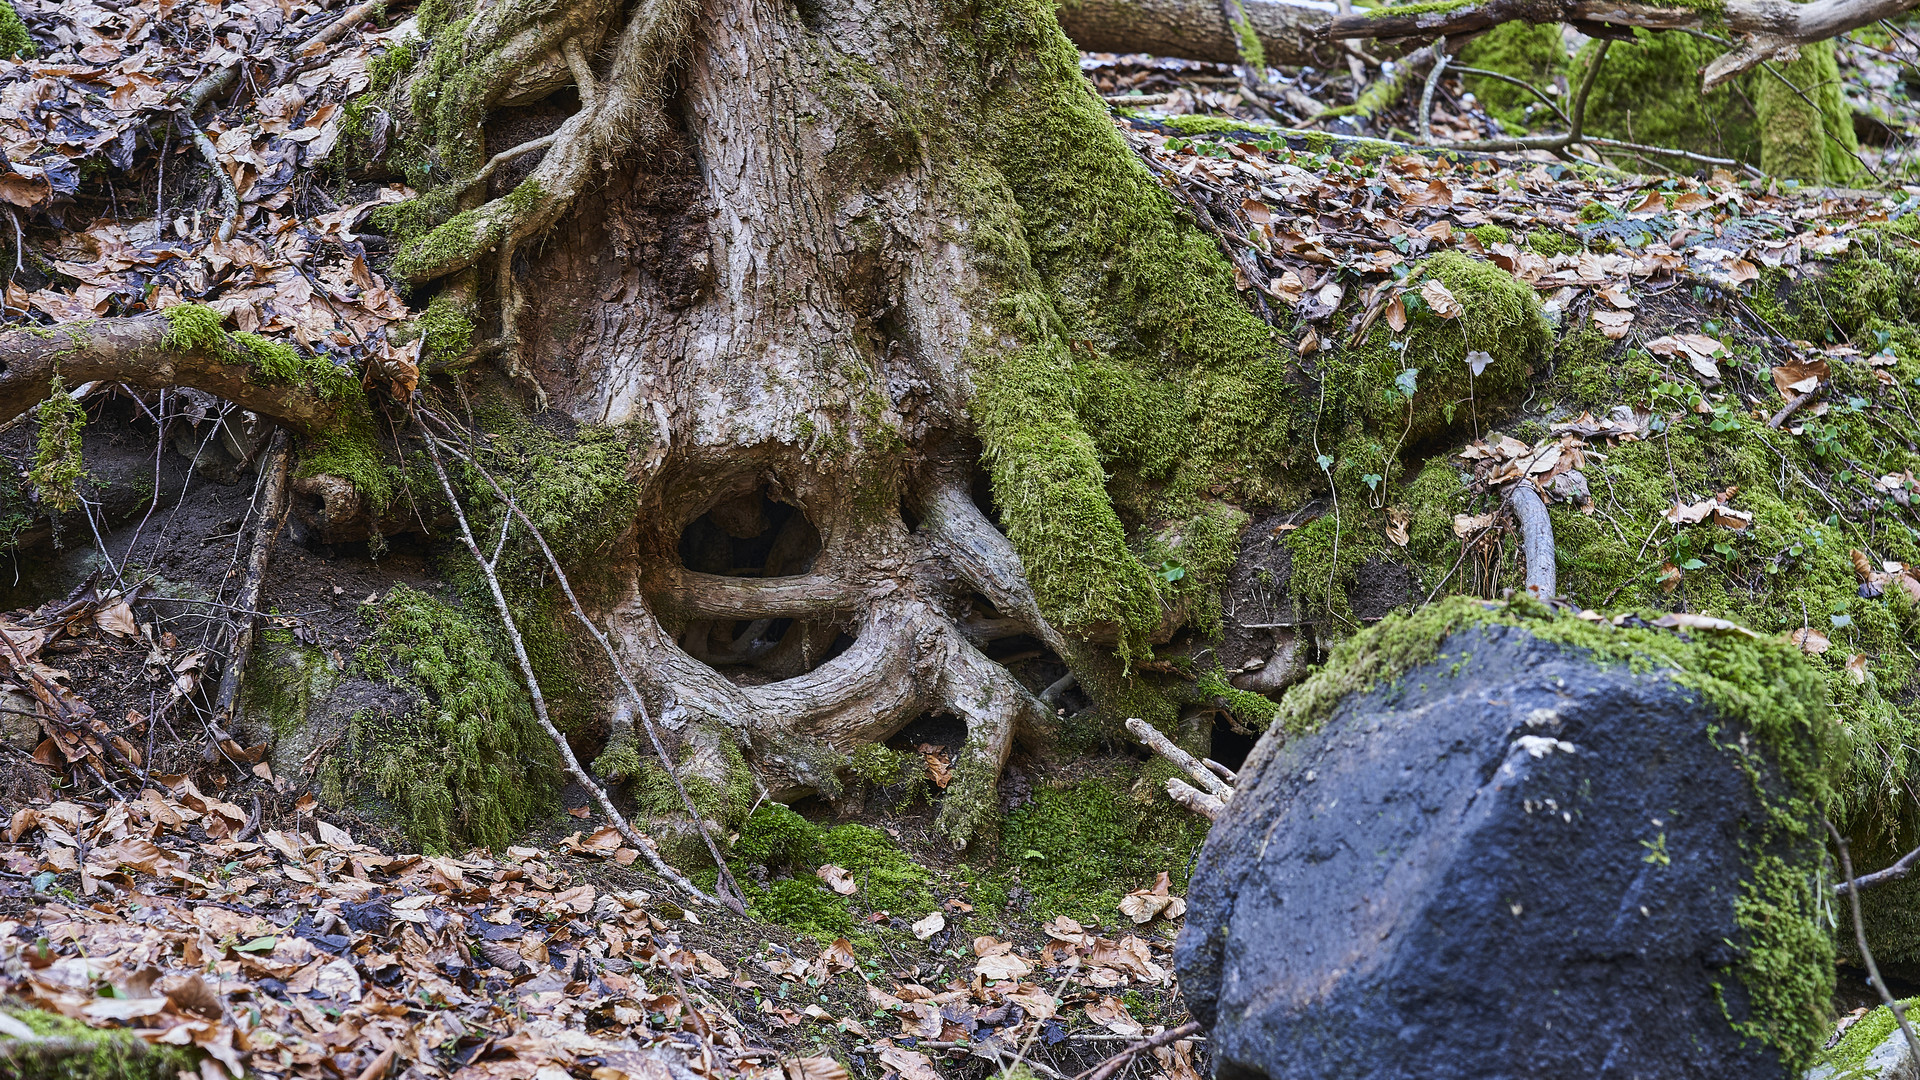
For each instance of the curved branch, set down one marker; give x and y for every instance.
(142, 351)
(1536, 540)
(985, 558)
(1772, 24)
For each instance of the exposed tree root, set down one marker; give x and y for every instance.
(1536, 540)
(144, 351)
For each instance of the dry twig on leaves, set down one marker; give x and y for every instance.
(273, 517)
(729, 888)
(1115, 1063)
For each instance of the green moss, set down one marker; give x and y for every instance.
(57, 463)
(1252, 53)
(446, 328)
(1805, 124)
(467, 233)
(285, 682)
(15, 42)
(1491, 234)
(1534, 52)
(468, 766)
(726, 801)
(1551, 242)
(1079, 848)
(1251, 709)
(1764, 686)
(1500, 316)
(1648, 91)
(1863, 1036)
(198, 327)
(350, 447)
(1193, 124)
(86, 1053)
(1421, 7)
(780, 840)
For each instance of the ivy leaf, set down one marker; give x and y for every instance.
(1407, 382)
(1326, 462)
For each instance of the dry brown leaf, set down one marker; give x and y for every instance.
(1810, 641)
(929, 926)
(1613, 324)
(1440, 300)
(814, 1068)
(837, 879)
(1796, 377)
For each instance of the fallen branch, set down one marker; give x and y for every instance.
(1208, 800)
(1772, 27)
(1113, 1064)
(139, 351)
(571, 763)
(1860, 937)
(737, 898)
(1288, 33)
(1880, 877)
(1800, 402)
(273, 517)
(1536, 540)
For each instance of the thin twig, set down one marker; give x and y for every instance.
(572, 764)
(1424, 130)
(1800, 402)
(1860, 936)
(1113, 1064)
(273, 517)
(1881, 877)
(737, 899)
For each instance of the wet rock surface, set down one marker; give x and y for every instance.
(1506, 863)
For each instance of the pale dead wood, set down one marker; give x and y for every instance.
(1189, 764)
(273, 517)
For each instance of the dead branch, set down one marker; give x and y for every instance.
(273, 517)
(571, 763)
(1880, 877)
(1536, 540)
(1772, 27)
(1188, 764)
(1860, 938)
(1800, 402)
(135, 351)
(1113, 1064)
(729, 888)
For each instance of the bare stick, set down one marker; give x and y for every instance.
(580, 775)
(1860, 937)
(1881, 877)
(1536, 540)
(1423, 134)
(1112, 1065)
(1219, 770)
(1786, 411)
(1164, 746)
(273, 517)
(1194, 799)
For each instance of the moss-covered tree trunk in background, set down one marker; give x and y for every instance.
(1806, 126)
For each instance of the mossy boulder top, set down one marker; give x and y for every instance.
(1516, 857)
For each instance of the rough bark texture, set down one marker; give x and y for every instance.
(1289, 34)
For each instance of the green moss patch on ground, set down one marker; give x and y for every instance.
(1078, 848)
(786, 849)
(74, 1051)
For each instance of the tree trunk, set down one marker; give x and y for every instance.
(824, 261)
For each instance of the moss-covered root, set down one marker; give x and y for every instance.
(1806, 126)
(993, 704)
(57, 464)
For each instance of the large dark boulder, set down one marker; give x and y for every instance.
(1521, 858)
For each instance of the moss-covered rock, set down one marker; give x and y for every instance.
(1806, 125)
(15, 42)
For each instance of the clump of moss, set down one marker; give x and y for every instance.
(198, 327)
(1079, 848)
(57, 463)
(1551, 242)
(1805, 124)
(1863, 1037)
(350, 448)
(446, 328)
(1648, 91)
(1491, 234)
(725, 801)
(15, 42)
(468, 765)
(1529, 51)
(74, 1051)
(780, 840)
